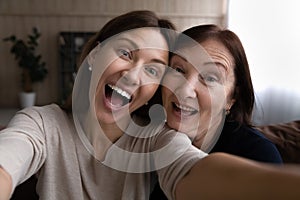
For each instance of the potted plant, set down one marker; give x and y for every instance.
(33, 69)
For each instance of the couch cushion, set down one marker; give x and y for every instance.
(286, 136)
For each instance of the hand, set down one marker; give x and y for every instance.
(5, 185)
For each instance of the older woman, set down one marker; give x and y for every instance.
(208, 94)
(214, 92)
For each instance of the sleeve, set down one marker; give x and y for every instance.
(264, 151)
(22, 146)
(180, 155)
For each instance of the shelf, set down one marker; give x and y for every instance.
(70, 47)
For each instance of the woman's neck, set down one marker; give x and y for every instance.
(112, 131)
(208, 136)
(102, 135)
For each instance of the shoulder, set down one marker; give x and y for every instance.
(166, 135)
(177, 157)
(50, 112)
(40, 119)
(234, 129)
(245, 135)
(47, 109)
(247, 142)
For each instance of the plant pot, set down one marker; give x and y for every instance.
(27, 99)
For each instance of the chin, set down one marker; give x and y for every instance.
(173, 124)
(108, 119)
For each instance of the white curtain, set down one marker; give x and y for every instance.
(270, 33)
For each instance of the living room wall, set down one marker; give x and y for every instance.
(53, 16)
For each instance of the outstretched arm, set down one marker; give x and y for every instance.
(224, 176)
(5, 185)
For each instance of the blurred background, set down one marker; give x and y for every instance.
(268, 29)
(270, 33)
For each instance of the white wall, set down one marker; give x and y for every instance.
(270, 32)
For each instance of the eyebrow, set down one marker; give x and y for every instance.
(217, 64)
(137, 48)
(205, 63)
(159, 61)
(180, 56)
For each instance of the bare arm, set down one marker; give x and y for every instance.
(223, 176)
(5, 185)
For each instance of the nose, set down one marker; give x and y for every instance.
(131, 76)
(186, 89)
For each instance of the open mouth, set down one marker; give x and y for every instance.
(116, 96)
(185, 110)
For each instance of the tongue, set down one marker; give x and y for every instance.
(116, 100)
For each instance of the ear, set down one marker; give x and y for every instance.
(230, 104)
(92, 55)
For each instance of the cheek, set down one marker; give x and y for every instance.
(148, 91)
(218, 99)
(96, 94)
(230, 88)
(205, 98)
(101, 69)
(165, 92)
(212, 99)
(229, 93)
(172, 83)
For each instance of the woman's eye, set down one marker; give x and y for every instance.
(124, 54)
(152, 71)
(209, 79)
(176, 69)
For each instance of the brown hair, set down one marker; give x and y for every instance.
(243, 93)
(128, 21)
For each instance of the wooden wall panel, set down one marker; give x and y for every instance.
(53, 16)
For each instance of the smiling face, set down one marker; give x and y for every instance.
(134, 64)
(198, 88)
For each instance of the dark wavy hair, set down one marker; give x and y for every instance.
(243, 92)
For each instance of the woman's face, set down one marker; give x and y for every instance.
(131, 66)
(198, 88)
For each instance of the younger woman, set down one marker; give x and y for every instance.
(70, 154)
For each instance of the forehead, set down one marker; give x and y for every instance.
(218, 53)
(209, 51)
(142, 38)
(194, 54)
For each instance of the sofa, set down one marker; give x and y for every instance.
(286, 136)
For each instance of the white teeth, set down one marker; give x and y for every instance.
(120, 91)
(185, 108)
